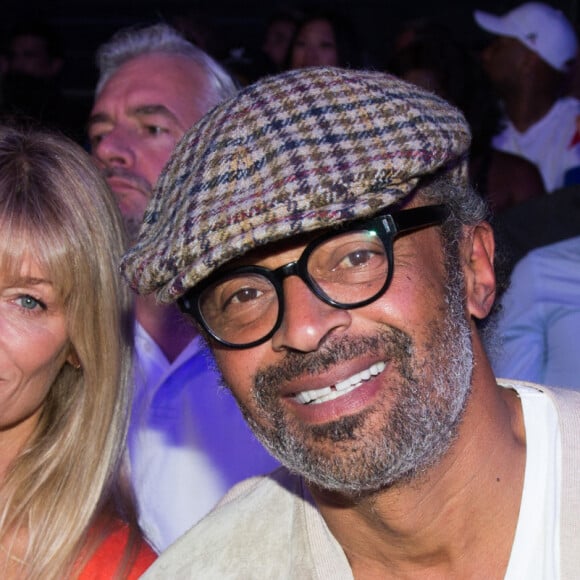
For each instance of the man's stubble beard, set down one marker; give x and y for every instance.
(420, 409)
(131, 222)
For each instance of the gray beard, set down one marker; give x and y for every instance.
(353, 455)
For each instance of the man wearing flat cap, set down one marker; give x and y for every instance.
(319, 229)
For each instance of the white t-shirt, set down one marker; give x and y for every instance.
(536, 549)
(551, 144)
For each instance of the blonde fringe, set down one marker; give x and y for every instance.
(63, 482)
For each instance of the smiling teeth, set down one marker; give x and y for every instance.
(317, 396)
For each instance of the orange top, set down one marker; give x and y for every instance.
(107, 558)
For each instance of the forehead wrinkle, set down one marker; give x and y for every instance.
(152, 109)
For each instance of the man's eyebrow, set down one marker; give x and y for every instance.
(145, 110)
(98, 118)
(140, 111)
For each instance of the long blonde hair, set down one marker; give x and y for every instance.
(55, 207)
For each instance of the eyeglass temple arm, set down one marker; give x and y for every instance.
(415, 218)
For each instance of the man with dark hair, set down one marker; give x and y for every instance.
(528, 61)
(32, 63)
(319, 229)
(34, 48)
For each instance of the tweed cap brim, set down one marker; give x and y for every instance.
(293, 153)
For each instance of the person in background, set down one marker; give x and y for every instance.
(539, 322)
(346, 324)
(280, 29)
(528, 61)
(264, 53)
(324, 38)
(432, 58)
(34, 49)
(187, 443)
(32, 62)
(65, 364)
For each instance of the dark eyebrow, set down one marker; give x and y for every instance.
(140, 111)
(98, 118)
(145, 110)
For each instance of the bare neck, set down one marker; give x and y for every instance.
(527, 107)
(459, 519)
(166, 326)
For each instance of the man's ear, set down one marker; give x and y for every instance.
(478, 254)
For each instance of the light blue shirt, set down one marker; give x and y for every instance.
(540, 322)
(188, 442)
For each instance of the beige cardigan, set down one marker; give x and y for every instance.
(269, 527)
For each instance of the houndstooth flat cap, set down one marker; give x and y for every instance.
(292, 153)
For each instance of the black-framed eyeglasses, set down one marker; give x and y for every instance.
(347, 268)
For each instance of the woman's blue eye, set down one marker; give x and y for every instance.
(29, 303)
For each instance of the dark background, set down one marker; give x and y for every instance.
(84, 24)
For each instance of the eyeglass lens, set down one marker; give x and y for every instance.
(344, 270)
(347, 269)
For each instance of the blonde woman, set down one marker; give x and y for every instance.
(65, 320)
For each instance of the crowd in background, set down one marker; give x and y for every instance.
(519, 95)
(33, 64)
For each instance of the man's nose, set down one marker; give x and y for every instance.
(115, 149)
(307, 320)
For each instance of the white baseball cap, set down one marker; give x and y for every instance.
(541, 28)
